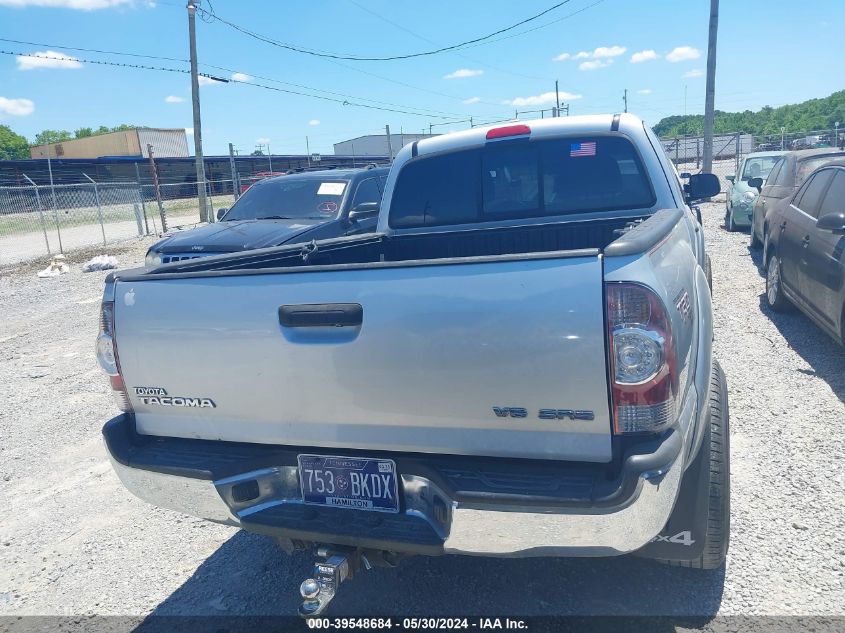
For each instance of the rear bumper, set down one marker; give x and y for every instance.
(450, 504)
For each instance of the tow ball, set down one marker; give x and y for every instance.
(337, 566)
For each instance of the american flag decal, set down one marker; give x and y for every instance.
(583, 149)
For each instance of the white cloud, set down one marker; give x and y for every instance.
(47, 59)
(644, 56)
(594, 64)
(547, 98)
(644, 91)
(262, 141)
(683, 53)
(202, 80)
(189, 131)
(173, 99)
(16, 107)
(80, 5)
(462, 73)
(692, 73)
(314, 122)
(471, 100)
(241, 77)
(604, 52)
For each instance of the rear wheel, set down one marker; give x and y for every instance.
(754, 242)
(708, 271)
(729, 222)
(715, 447)
(775, 298)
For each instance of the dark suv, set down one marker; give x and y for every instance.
(300, 207)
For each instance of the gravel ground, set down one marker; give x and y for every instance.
(73, 542)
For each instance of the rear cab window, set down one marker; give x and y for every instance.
(521, 179)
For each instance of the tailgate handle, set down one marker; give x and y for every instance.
(321, 315)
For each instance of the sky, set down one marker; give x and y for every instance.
(770, 52)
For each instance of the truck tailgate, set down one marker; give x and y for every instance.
(452, 357)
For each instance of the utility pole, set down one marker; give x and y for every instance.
(625, 99)
(308, 150)
(205, 214)
(710, 95)
(389, 145)
(556, 113)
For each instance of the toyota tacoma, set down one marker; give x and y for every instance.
(518, 362)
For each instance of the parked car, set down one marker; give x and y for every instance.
(313, 205)
(786, 177)
(803, 250)
(767, 147)
(518, 363)
(741, 197)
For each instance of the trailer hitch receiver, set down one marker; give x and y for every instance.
(317, 592)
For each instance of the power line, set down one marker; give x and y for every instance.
(425, 39)
(118, 64)
(541, 26)
(344, 102)
(231, 70)
(357, 58)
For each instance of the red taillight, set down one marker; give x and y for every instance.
(107, 356)
(643, 366)
(508, 130)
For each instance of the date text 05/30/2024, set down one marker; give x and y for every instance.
(413, 624)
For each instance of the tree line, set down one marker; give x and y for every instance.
(808, 116)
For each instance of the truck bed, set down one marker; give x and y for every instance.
(477, 242)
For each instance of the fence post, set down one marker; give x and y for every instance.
(40, 213)
(235, 191)
(736, 158)
(677, 147)
(99, 208)
(141, 195)
(154, 172)
(55, 214)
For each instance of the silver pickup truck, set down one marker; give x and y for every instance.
(517, 363)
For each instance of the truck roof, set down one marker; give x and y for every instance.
(574, 125)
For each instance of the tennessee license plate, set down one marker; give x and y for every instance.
(349, 482)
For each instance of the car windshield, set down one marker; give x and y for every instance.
(808, 166)
(758, 167)
(290, 197)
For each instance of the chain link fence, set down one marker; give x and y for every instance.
(686, 152)
(39, 220)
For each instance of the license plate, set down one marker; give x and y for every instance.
(358, 483)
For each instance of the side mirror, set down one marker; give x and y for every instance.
(757, 183)
(701, 186)
(221, 213)
(833, 222)
(364, 210)
(731, 177)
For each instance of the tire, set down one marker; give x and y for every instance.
(717, 443)
(708, 272)
(754, 243)
(730, 227)
(775, 298)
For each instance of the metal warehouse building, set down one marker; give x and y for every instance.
(376, 144)
(166, 142)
